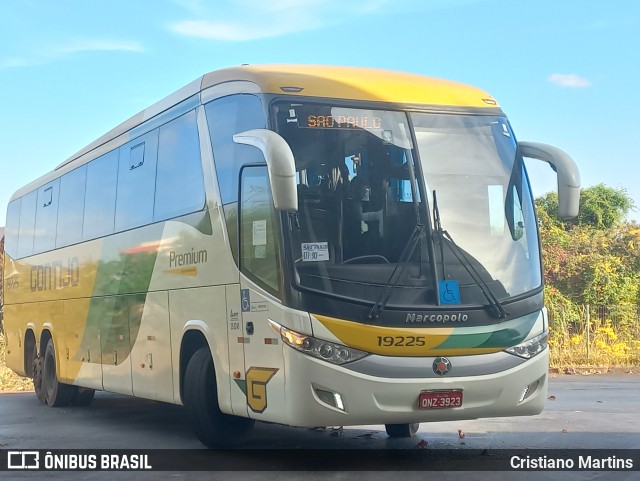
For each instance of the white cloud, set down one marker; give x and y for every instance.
(17, 62)
(51, 53)
(236, 31)
(569, 80)
(92, 45)
(245, 20)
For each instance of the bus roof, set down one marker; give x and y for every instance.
(355, 83)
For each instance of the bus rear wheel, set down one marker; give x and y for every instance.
(213, 427)
(402, 430)
(56, 393)
(37, 375)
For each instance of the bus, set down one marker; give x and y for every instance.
(304, 245)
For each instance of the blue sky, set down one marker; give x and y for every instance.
(565, 71)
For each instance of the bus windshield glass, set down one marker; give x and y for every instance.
(484, 201)
(360, 231)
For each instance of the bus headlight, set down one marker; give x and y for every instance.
(530, 347)
(319, 348)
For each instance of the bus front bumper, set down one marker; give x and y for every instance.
(322, 394)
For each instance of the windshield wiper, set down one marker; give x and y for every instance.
(495, 307)
(407, 252)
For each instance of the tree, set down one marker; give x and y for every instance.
(601, 207)
(595, 260)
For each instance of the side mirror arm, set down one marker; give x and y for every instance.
(567, 171)
(280, 164)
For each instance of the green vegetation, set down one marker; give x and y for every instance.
(594, 261)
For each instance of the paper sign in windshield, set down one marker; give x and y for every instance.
(315, 251)
(259, 232)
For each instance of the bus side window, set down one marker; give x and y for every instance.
(71, 207)
(259, 252)
(100, 201)
(46, 217)
(136, 182)
(227, 116)
(179, 181)
(13, 227)
(27, 224)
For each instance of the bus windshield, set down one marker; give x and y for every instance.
(362, 228)
(484, 200)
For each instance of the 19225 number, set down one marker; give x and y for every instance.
(401, 341)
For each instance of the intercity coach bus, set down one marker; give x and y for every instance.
(305, 245)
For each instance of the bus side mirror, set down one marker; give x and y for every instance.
(280, 164)
(567, 171)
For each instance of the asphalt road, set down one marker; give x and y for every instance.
(583, 412)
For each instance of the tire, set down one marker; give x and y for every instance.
(37, 376)
(213, 428)
(56, 393)
(83, 396)
(402, 430)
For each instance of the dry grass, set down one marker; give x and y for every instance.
(9, 380)
(607, 344)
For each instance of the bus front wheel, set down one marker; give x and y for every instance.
(56, 393)
(213, 427)
(402, 430)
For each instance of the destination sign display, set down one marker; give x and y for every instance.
(342, 122)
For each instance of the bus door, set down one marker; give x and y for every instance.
(263, 378)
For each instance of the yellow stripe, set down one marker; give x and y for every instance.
(376, 339)
(184, 271)
(397, 341)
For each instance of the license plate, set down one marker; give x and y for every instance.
(440, 399)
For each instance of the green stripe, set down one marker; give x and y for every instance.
(502, 335)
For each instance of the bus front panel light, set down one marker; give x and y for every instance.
(530, 347)
(529, 390)
(333, 399)
(318, 348)
(326, 351)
